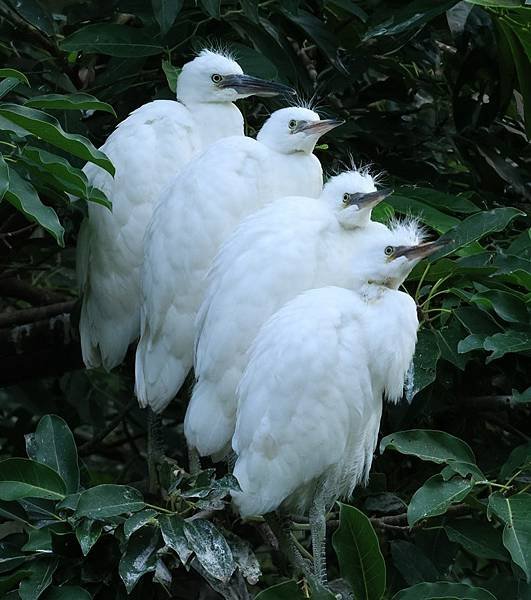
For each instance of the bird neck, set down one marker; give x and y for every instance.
(216, 120)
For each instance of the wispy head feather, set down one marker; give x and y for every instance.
(409, 228)
(214, 47)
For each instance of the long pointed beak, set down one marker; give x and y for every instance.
(254, 86)
(421, 250)
(318, 127)
(371, 199)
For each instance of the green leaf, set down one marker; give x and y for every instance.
(506, 305)
(9, 582)
(12, 511)
(77, 101)
(440, 200)
(38, 540)
(166, 12)
(138, 520)
(66, 592)
(412, 563)
(475, 227)
(6, 85)
(23, 196)
(515, 513)
(435, 446)
(435, 496)
(109, 500)
(211, 7)
(23, 478)
(476, 537)
(508, 342)
(4, 177)
(33, 12)
(49, 129)
(140, 557)
(520, 456)
(88, 533)
(14, 74)
(42, 571)
(497, 3)
(211, 548)
(360, 560)
(53, 445)
(287, 590)
(442, 590)
(429, 215)
(172, 528)
(172, 74)
(113, 40)
(10, 557)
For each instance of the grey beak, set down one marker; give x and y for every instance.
(421, 250)
(369, 200)
(318, 127)
(246, 84)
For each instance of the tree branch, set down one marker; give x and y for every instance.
(12, 287)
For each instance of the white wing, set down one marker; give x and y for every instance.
(147, 149)
(271, 257)
(200, 209)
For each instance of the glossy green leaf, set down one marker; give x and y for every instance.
(139, 557)
(166, 12)
(287, 590)
(9, 582)
(10, 557)
(49, 129)
(427, 354)
(442, 590)
(435, 496)
(476, 537)
(497, 3)
(476, 226)
(66, 592)
(88, 533)
(211, 548)
(109, 500)
(138, 520)
(38, 540)
(23, 196)
(42, 571)
(435, 446)
(6, 85)
(33, 12)
(515, 513)
(53, 445)
(211, 7)
(23, 478)
(111, 39)
(439, 200)
(77, 101)
(172, 528)
(427, 214)
(4, 177)
(520, 457)
(172, 74)
(12, 511)
(360, 560)
(508, 342)
(14, 74)
(412, 563)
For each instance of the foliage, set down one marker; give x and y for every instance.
(437, 95)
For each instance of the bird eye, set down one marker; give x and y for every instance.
(292, 124)
(346, 198)
(389, 250)
(216, 78)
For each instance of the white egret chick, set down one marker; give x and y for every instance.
(147, 149)
(292, 245)
(231, 179)
(310, 400)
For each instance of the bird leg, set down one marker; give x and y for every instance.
(194, 461)
(280, 526)
(155, 448)
(318, 530)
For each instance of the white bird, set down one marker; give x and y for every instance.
(310, 400)
(231, 179)
(292, 245)
(147, 149)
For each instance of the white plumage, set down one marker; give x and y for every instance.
(147, 149)
(294, 244)
(230, 180)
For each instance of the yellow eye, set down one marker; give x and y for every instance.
(292, 124)
(346, 198)
(216, 78)
(389, 251)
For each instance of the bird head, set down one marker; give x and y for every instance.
(386, 256)
(352, 195)
(294, 129)
(214, 77)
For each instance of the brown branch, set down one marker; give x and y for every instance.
(12, 287)
(31, 315)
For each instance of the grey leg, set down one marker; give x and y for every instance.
(194, 461)
(318, 529)
(281, 528)
(155, 448)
